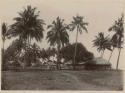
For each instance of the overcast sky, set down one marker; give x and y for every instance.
(100, 14)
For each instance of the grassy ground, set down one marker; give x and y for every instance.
(62, 80)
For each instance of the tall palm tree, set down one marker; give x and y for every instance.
(57, 35)
(102, 43)
(28, 26)
(79, 24)
(4, 34)
(118, 37)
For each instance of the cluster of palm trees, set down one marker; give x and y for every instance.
(28, 26)
(116, 41)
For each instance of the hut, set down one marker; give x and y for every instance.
(98, 64)
(69, 65)
(80, 66)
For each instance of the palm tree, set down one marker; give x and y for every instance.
(79, 24)
(28, 26)
(113, 43)
(102, 43)
(4, 34)
(118, 37)
(57, 35)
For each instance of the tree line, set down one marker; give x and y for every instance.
(28, 26)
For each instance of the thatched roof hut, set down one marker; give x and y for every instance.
(98, 63)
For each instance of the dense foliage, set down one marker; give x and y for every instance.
(82, 53)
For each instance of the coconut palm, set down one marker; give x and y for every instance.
(57, 35)
(4, 35)
(118, 37)
(79, 24)
(113, 43)
(102, 43)
(27, 26)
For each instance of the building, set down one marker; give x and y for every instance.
(98, 64)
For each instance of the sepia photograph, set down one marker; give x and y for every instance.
(62, 45)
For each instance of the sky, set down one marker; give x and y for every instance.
(100, 14)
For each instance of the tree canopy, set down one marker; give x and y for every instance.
(28, 25)
(82, 53)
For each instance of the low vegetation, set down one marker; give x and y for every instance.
(62, 80)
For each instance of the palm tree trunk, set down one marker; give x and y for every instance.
(102, 54)
(3, 48)
(3, 62)
(118, 59)
(110, 55)
(75, 50)
(25, 48)
(28, 56)
(58, 57)
(29, 42)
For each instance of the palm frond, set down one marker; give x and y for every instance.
(27, 24)
(57, 33)
(78, 23)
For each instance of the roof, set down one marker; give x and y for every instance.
(99, 61)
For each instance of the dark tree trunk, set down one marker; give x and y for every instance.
(118, 59)
(110, 55)
(3, 64)
(58, 57)
(25, 49)
(74, 61)
(28, 61)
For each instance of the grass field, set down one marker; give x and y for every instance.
(62, 80)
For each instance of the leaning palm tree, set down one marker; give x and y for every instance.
(28, 26)
(113, 43)
(102, 43)
(118, 37)
(57, 35)
(79, 24)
